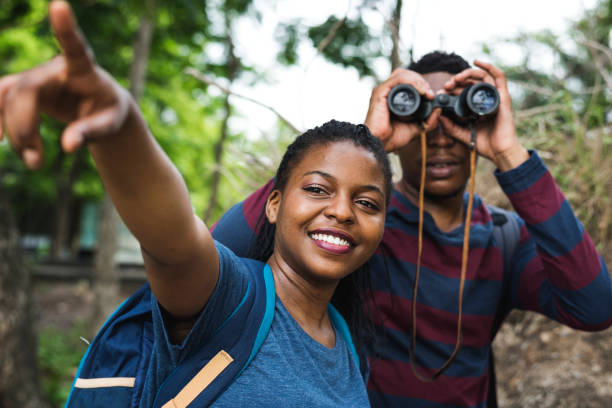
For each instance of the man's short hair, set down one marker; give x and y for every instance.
(439, 61)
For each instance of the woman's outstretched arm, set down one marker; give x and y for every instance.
(148, 191)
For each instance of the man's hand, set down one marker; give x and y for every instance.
(496, 138)
(70, 87)
(395, 134)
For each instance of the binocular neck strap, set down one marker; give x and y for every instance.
(464, 257)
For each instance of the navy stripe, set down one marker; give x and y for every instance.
(560, 233)
(435, 290)
(522, 177)
(394, 345)
(579, 303)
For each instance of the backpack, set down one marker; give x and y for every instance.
(113, 370)
(506, 232)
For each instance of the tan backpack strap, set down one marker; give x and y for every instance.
(202, 379)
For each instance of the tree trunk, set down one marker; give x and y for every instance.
(233, 65)
(396, 61)
(105, 280)
(60, 245)
(106, 273)
(19, 375)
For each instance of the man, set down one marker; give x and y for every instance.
(555, 269)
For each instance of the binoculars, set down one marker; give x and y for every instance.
(476, 102)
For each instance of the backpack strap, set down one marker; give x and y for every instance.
(230, 349)
(114, 368)
(340, 325)
(506, 232)
(103, 375)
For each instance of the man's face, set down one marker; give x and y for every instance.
(447, 158)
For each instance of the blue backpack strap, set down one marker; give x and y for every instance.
(240, 337)
(507, 233)
(113, 370)
(340, 325)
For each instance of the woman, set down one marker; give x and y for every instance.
(325, 219)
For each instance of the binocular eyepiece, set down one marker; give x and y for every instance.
(476, 102)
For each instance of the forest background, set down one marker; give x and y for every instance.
(187, 63)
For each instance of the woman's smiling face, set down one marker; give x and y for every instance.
(330, 216)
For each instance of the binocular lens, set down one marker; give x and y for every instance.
(404, 101)
(484, 101)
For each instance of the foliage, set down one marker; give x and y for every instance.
(348, 41)
(184, 118)
(59, 353)
(563, 110)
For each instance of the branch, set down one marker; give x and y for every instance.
(331, 35)
(599, 65)
(532, 87)
(207, 80)
(526, 113)
(394, 25)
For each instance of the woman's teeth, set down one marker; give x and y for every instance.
(331, 239)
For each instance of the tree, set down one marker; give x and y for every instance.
(232, 68)
(105, 272)
(19, 376)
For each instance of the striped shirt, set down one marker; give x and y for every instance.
(555, 271)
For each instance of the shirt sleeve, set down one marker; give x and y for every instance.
(556, 269)
(236, 228)
(231, 287)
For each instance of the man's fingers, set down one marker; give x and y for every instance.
(78, 55)
(454, 130)
(468, 77)
(402, 135)
(405, 76)
(432, 121)
(498, 75)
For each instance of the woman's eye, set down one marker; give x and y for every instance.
(368, 204)
(315, 189)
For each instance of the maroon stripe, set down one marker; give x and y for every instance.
(255, 203)
(397, 378)
(538, 201)
(432, 324)
(483, 263)
(524, 235)
(480, 215)
(575, 269)
(530, 282)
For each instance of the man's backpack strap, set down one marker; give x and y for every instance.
(506, 233)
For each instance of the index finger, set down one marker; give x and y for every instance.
(498, 75)
(406, 76)
(78, 55)
(469, 77)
